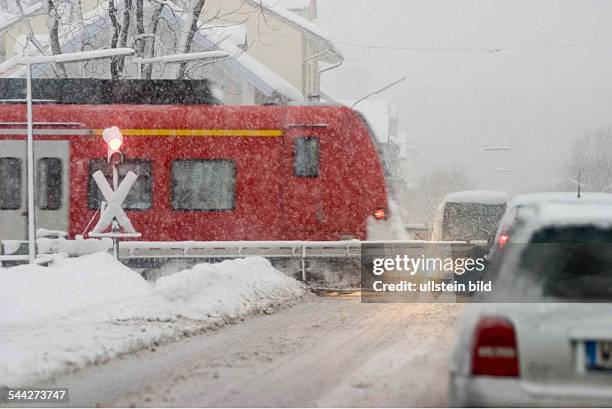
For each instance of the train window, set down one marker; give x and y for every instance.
(49, 183)
(140, 196)
(203, 184)
(10, 183)
(306, 157)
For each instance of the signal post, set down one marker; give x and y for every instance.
(111, 211)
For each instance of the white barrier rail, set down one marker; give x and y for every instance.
(302, 252)
(222, 249)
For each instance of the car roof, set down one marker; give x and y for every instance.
(559, 197)
(491, 197)
(568, 214)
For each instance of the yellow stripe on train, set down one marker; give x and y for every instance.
(199, 132)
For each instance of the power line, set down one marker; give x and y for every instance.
(457, 49)
(462, 145)
(475, 49)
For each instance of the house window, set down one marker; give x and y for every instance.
(49, 183)
(306, 157)
(140, 196)
(203, 184)
(10, 183)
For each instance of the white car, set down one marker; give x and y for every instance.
(520, 202)
(558, 351)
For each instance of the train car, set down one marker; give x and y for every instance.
(205, 171)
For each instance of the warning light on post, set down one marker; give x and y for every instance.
(114, 140)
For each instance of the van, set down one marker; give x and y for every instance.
(469, 216)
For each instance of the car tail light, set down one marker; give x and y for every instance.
(495, 351)
(503, 239)
(380, 214)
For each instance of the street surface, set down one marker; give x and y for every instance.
(327, 351)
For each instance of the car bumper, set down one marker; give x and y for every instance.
(510, 392)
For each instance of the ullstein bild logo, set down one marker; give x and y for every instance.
(421, 272)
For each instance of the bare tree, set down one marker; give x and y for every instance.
(153, 26)
(112, 13)
(189, 30)
(431, 190)
(53, 23)
(26, 20)
(140, 41)
(81, 23)
(125, 29)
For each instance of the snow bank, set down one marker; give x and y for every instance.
(232, 288)
(32, 293)
(91, 309)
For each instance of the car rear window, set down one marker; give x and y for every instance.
(572, 263)
(471, 221)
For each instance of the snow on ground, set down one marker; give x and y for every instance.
(325, 352)
(92, 308)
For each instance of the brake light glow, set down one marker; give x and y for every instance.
(495, 350)
(380, 214)
(503, 239)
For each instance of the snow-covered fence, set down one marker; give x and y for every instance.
(328, 261)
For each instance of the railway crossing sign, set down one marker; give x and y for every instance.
(111, 213)
(113, 210)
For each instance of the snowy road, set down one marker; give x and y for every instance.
(331, 351)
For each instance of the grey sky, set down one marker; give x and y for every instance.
(550, 82)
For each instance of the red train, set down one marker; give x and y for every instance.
(206, 172)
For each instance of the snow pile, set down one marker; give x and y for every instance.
(91, 309)
(248, 285)
(32, 293)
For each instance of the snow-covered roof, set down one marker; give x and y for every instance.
(566, 214)
(491, 197)
(260, 76)
(294, 4)
(93, 20)
(236, 33)
(560, 197)
(241, 64)
(315, 33)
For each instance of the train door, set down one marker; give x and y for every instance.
(13, 191)
(51, 187)
(304, 193)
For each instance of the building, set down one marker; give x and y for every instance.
(276, 52)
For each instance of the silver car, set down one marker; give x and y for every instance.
(549, 343)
